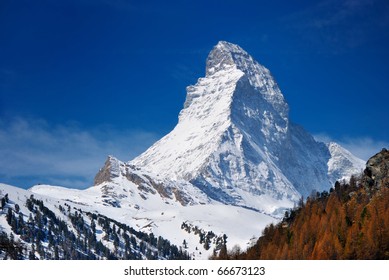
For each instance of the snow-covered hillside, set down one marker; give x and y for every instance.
(196, 230)
(159, 206)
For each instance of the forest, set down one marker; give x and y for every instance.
(46, 236)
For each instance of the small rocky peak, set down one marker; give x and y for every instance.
(377, 169)
(110, 170)
(223, 56)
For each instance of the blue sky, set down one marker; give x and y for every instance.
(81, 79)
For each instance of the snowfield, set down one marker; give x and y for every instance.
(239, 224)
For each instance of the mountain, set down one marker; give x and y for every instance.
(232, 165)
(234, 140)
(117, 220)
(349, 222)
(34, 226)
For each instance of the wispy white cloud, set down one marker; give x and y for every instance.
(33, 151)
(323, 137)
(362, 147)
(339, 26)
(63, 154)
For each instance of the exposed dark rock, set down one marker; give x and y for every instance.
(108, 172)
(181, 197)
(113, 168)
(377, 170)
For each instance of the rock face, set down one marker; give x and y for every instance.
(377, 170)
(108, 172)
(234, 140)
(110, 179)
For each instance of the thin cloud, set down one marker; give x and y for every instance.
(338, 26)
(33, 150)
(322, 137)
(362, 147)
(340, 11)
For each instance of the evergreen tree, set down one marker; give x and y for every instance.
(2, 203)
(10, 216)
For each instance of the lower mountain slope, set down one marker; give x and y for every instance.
(34, 226)
(351, 221)
(128, 214)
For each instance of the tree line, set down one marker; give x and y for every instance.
(351, 221)
(43, 235)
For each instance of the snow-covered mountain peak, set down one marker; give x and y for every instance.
(223, 56)
(234, 141)
(110, 171)
(342, 163)
(227, 56)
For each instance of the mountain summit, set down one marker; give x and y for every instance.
(234, 140)
(225, 55)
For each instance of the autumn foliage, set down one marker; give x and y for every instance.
(349, 222)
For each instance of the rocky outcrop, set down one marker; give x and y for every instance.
(377, 170)
(114, 171)
(147, 184)
(110, 170)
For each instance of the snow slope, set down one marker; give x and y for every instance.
(150, 215)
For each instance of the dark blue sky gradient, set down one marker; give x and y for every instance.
(126, 64)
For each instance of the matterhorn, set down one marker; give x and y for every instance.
(234, 140)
